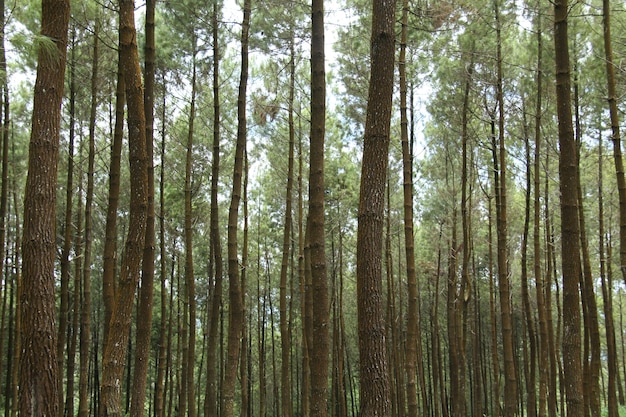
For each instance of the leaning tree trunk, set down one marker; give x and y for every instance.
(116, 346)
(570, 240)
(374, 392)
(38, 360)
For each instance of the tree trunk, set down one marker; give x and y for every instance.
(531, 366)
(211, 401)
(413, 337)
(159, 394)
(38, 362)
(109, 265)
(85, 308)
(540, 280)
(285, 333)
(64, 305)
(607, 296)
(190, 283)
(319, 350)
(236, 313)
(510, 379)
(146, 291)
(374, 392)
(570, 241)
(116, 346)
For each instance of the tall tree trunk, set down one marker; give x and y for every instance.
(540, 280)
(109, 264)
(17, 343)
(236, 313)
(64, 305)
(116, 346)
(285, 330)
(159, 394)
(38, 361)
(85, 308)
(570, 241)
(531, 366)
(146, 291)
(510, 379)
(590, 308)
(212, 403)
(607, 296)
(374, 392)
(319, 350)
(190, 285)
(413, 337)
(615, 132)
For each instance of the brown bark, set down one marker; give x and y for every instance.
(190, 283)
(236, 313)
(38, 362)
(495, 361)
(146, 291)
(570, 239)
(413, 339)
(374, 391)
(211, 401)
(116, 346)
(159, 394)
(109, 265)
(85, 310)
(607, 297)
(319, 349)
(621, 186)
(64, 305)
(285, 329)
(590, 309)
(531, 366)
(510, 379)
(537, 253)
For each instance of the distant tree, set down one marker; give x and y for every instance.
(374, 384)
(38, 379)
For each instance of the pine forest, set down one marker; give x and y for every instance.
(390, 208)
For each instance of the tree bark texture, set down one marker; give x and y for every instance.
(236, 313)
(319, 349)
(374, 383)
(570, 239)
(115, 350)
(38, 362)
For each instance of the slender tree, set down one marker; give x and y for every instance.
(236, 313)
(413, 339)
(211, 402)
(115, 350)
(38, 378)
(374, 383)
(146, 291)
(285, 329)
(570, 239)
(319, 349)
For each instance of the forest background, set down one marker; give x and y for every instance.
(239, 292)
